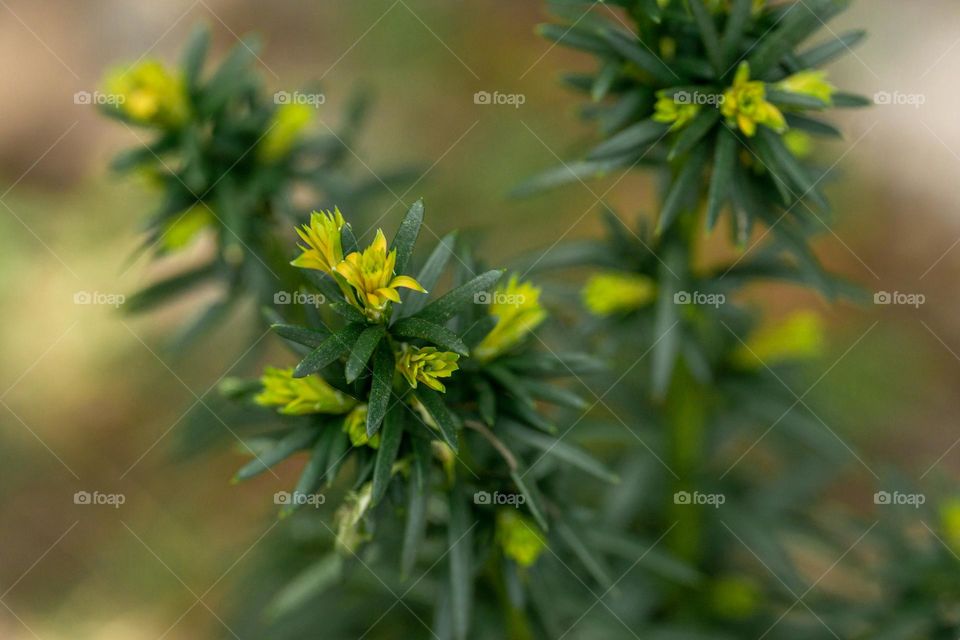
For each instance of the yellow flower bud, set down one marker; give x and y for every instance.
(289, 121)
(427, 365)
(300, 396)
(809, 83)
(613, 292)
(323, 250)
(149, 94)
(517, 309)
(521, 539)
(798, 143)
(799, 336)
(745, 103)
(355, 426)
(668, 111)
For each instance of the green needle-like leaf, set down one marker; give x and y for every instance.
(362, 350)
(332, 348)
(387, 453)
(383, 366)
(445, 307)
(407, 235)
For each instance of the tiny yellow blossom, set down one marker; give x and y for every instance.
(613, 292)
(288, 122)
(745, 103)
(799, 336)
(323, 250)
(798, 143)
(371, 275)
(355, 426)
(427, 365)
(149, 94)
(809, 83)
(517, 309)
(520, 539)
(677, 115)
(300, 396)
(181, 230)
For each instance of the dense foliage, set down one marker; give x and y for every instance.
(453, 484)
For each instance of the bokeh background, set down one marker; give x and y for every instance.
(89, 400)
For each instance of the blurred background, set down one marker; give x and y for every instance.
(89, 401)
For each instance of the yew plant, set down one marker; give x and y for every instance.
(446, 479)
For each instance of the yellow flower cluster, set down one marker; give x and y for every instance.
(518, 311)
(370, 274)
(613, 292)
(745, 103)
(366, 277)
(149, 94)
(427, 365)
(300, 396)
